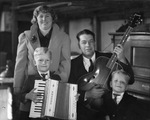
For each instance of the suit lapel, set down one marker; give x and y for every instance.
(82, 70)
(124, 99)
(38, 77)
(98, 54)
(36, 43)
(111, 105)
(54, 40)
(33, 37)
(33, 44)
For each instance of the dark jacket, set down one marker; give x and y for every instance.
(28, 86)
(127, 109)
(78, 70)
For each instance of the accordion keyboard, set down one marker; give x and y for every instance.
(58, 100)
(36, 108)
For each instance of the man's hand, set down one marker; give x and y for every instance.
(34, 96)
(95, 92)
(120, 53)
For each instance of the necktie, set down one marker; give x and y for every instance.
(44, 75)
(115, 97)
(91, 66)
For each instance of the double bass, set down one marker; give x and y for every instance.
(104, 66)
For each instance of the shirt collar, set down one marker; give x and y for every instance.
(87, 59)
(87, 63)
(47, 76)
(119, 97)
(47, 36)
(120, 94)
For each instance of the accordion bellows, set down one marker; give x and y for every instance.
(58, 100)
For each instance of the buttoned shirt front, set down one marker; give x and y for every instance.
(87, 63)
(119, 97)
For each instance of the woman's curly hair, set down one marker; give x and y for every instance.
(43, 9)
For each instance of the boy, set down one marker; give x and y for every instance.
(42, 61)
(118, 104)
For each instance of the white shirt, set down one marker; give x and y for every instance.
(47, 76)
(119, 98)
(87, 63)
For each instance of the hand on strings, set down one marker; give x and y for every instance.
(34, 96)
(119, 50)
(95, 92)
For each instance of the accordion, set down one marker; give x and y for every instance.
(57, 100)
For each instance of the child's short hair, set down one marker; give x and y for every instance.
(122, 72)
(42, 50)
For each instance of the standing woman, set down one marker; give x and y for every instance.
(44, 32)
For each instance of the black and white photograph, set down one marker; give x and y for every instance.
(74, 59)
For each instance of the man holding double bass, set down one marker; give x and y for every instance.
(82, 65)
